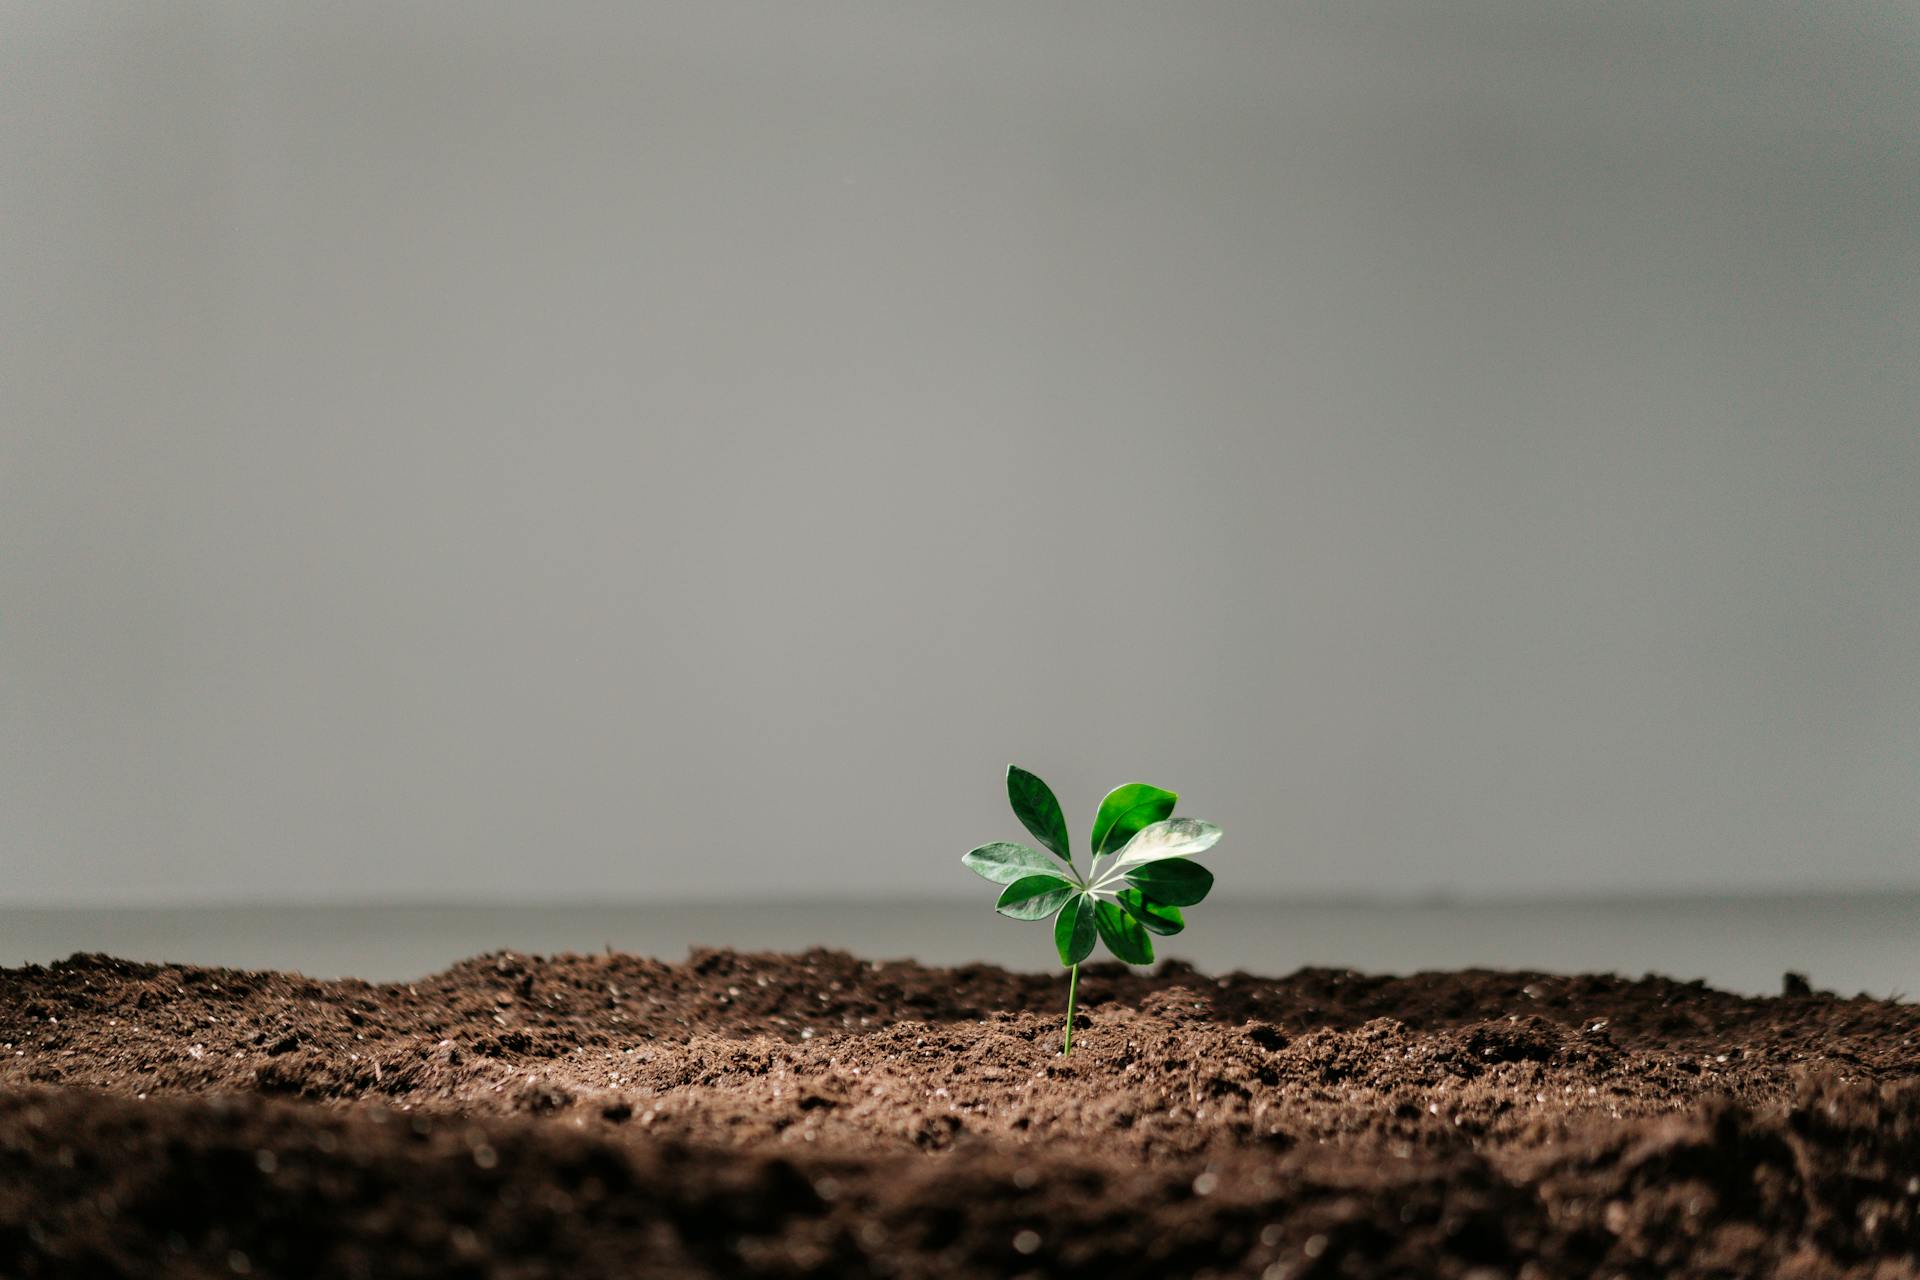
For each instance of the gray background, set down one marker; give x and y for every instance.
(637, 450)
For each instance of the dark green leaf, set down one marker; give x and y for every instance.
(1126, 810)
(1174, 881)
(1035, 897)
(1034, 804)
(1123, 934)
(1155, 917)
(1005, 863)
(1073, 931)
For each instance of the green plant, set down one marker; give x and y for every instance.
(1138, 873)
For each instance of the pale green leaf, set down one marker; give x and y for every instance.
(1174, 838)
(1004, 863)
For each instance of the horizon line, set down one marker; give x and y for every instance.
(1431, 899)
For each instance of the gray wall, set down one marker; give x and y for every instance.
(634, 449)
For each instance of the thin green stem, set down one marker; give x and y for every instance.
(1073, 983)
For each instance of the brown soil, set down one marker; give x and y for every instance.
(773, 1115)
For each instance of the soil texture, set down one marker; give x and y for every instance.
(817, 1114)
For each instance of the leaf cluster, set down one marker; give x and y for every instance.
(1139, 873)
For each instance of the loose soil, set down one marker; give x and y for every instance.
(781, 1115)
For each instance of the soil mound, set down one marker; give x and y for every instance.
(776, 1115)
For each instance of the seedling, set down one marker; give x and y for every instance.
(1138, 874)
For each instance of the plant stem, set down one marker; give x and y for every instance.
(1073, 983)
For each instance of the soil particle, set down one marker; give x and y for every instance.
(775, 1115)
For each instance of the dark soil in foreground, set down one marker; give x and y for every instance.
(772, 1115)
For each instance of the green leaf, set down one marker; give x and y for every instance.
(1035, 897)
(1126, 810)
(1004, 863)
(1073, 931)
(1037, 808)
(1122, 934)
(1175, 882)
(1154, 917)
(1174, 838)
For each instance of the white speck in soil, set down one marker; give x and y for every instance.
(1027, 1241)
